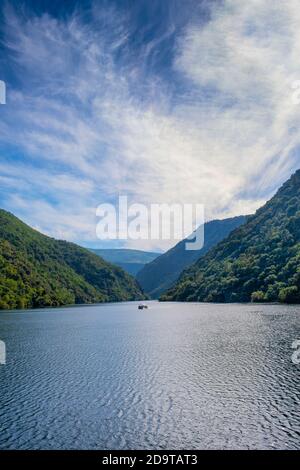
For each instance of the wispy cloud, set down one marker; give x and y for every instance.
(89, 121)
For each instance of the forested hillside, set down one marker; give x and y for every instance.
(159, 275)
(38, 271)
(259, 262)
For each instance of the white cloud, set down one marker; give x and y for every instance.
(227, 142)
(247, 55)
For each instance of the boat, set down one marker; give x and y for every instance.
(142, 306)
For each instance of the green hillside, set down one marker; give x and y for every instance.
(260, 261)
(38, 271)
(159, 275)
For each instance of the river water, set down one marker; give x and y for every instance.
(175, 376)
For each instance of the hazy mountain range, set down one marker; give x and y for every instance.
(248, 258)
(131, 261)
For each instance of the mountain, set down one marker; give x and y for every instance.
(259, 262)
(159, 275)
(38, 271)
(131, 261)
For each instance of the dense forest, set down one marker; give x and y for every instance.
(258, 262)
(159, 275)
(38, 271)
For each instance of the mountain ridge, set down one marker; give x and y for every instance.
(257, 262)
(157, 276)
(130, 260)
(39, 271)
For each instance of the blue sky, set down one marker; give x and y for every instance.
(163, 101)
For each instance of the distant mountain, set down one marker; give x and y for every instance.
(38, 271)
(260, 261)
(159, 275)
(131, 261)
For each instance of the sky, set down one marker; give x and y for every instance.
(170, 101)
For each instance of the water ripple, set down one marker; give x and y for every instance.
(177, 376)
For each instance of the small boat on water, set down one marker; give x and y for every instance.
(142, 306)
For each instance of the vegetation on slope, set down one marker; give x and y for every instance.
(259, 262)
(159, 275)
(38, 271)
